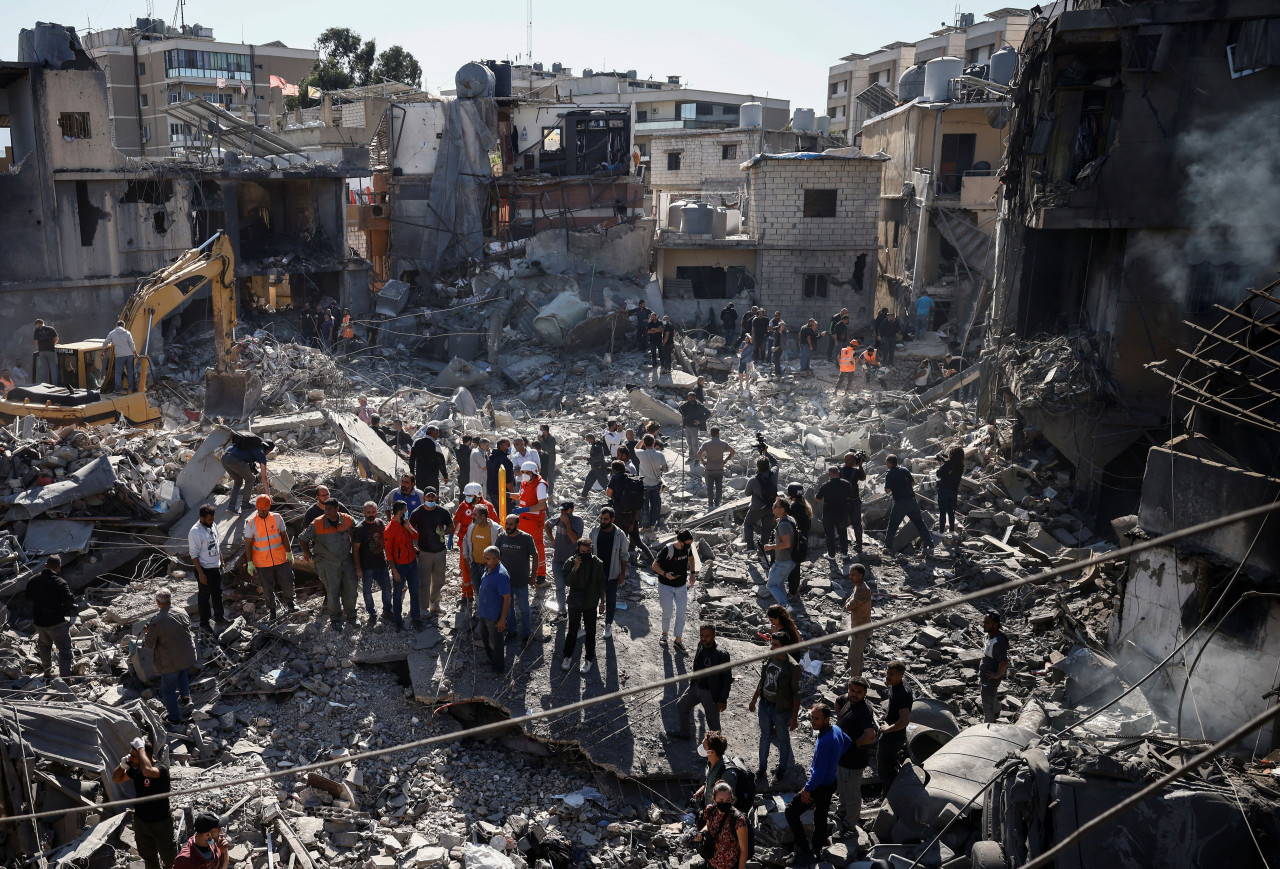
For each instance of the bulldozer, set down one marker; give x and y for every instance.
(77, 399)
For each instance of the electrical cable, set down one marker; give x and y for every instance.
(1203, 757)
(759, 657)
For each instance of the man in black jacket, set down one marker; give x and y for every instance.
(52, 606)
(712, 692)
(598, 462)
(854, 471)
(836, 495)
(427, 461)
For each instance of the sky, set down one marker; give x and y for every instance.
(776, 49)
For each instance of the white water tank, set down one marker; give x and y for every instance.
(751, 115)
(938, 74)
(824, 125)
(674, 212)
(696, 219)
(1004, 63)
(804, 121)
(911, 84)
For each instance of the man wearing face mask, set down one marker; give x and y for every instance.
(462, 519)
(831, 745)
(433, 524)
(533, 512)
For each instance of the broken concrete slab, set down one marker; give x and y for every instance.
(287, 421)
(529, 368)
(93, 479)
(652, 408)
(46, 536)
(374, 458)
(203, 470)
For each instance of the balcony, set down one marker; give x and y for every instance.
(686, 124)
(979, 191)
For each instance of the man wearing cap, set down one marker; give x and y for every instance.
(407, 491)
(434, 526)
(693, 416)
(519, 555)
(266, 544)
(427, 461)
(327, 542)
(533, 511)
(778, 695)
(206, 555)
(563, 532)
(168, 636)
(208, 848)
(995, 663)
(584, 585)
(52, 608)
(316, 510)
(598, 463)
(368, 542)
(152, 820)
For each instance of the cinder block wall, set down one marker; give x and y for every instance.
(700, 159)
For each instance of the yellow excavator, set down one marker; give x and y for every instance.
(77, 399)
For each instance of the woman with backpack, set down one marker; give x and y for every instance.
(722, 840)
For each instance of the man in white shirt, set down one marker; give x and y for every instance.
(652, 465)
(614, 437)
(521, 453)
(120, 340)
(480, 462)
(206, 554)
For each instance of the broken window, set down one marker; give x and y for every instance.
(1211, 283)
(820, 203)
(673, 161)
(728, 152)
(815, 286)
(955, 159)
(551, 138)
(74, 125)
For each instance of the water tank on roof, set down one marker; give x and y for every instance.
(696, 219)
(911, 84)
(631, 73)
(588, 72)
(824, 125)
(474, 80)
(1004, 63)
(501, 78)
(537, 67)
(938, 74)
(751, 115)
(803, 121)
(557, 67)
(674, 212)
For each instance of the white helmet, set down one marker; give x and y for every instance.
(471, 489)
(531, 467)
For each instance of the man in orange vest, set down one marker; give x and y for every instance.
(533, 512)
(328, 542)
(266, 544)
(348, 331)
(848, 366)
(462, 518)
(870, 361)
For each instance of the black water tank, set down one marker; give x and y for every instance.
(502, 77)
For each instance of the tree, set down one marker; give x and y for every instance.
(396, 64)
(348, 60)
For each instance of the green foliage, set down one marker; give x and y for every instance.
(348, 60)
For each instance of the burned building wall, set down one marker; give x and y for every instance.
(1172, 589)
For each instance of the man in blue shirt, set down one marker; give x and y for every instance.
(924, 314)
(492, 606)
(821, 786)
(243, 460)
(898, 483)
(408, 492)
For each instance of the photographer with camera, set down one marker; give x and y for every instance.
(855, 472)
(763, 489)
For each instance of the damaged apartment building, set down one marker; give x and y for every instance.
(1139, 194)
(84, 221)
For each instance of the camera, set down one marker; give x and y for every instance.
(859, 456)
(764, 447)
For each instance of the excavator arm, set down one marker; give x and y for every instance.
(228, 393)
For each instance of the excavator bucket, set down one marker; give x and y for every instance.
(233, 395)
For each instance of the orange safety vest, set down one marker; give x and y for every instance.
(348, 331)
(268, 542)
(847, 363)
(6, 383)
(345, 523)
(872, 358)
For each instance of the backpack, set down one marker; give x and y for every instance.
(744, 795)
(632, 495)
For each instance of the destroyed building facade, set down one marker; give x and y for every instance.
(91, 221)
(1122, 214)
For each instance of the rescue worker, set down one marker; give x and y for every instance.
(533, 512)
(266, 543)
(848, 365)
(348, 332)
(462, 518)
(870, 361)
(327, 542)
